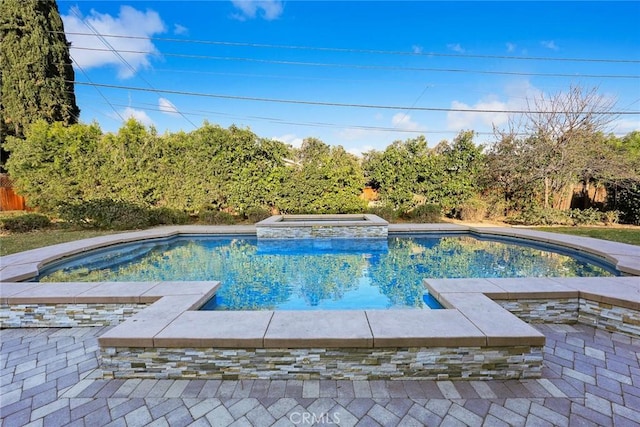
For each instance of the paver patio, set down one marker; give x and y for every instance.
(51, 377)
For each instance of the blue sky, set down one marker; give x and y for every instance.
(179, 63)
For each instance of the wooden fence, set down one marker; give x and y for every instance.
(9, 200)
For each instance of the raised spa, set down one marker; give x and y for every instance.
(323, 274)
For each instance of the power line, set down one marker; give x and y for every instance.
(338, 104)
(367, 51)
(294, 77)
(205, 113)
(98, 90)
(112, 49)
(370, 67)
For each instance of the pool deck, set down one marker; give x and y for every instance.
(590, 376)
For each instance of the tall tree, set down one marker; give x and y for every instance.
(36, 73)
(562, 143)
(324, 179)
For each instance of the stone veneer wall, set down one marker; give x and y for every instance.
(438, 363)
(66, 315)
(563, 310)
(576, 310)
(609, 317)
(315, 231)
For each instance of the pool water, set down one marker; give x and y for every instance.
(322, 274)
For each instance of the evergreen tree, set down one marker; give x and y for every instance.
(36, 74)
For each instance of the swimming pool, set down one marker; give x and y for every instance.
(323, 274)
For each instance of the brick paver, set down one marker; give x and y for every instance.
(50, 377)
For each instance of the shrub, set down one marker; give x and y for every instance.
(216, 217)
(167, 216)
(384, 211)
(586, 216)
(474, 209)
(105, 214)
(257, 214)
(625, 198)
(26, 222)
(429, 212)
(611, 217)
(540, 216)
(496, 209)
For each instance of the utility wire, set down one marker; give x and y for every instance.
(117, 53)
(370, 67)
(97, 89)
(337, 104)
(205, 113)
(367, 51)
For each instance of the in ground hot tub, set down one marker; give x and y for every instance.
(313, 226)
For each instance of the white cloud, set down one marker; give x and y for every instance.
(519, 91)
(403, 121)
(129, 22)
(511, 47)
(549, 44)
(417, 49)
(265, 9)
(459, 120)
(167, 107)
(290, 139)
(624, 126)
(516, 93)
(139, 115)
(355, 134)
(358, 151)
(180, 29)
(456, 47)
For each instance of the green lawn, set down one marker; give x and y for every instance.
(17, 242)
(11, 243)
(629, 235)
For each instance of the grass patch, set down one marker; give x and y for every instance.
(17, 242)
(629, 235)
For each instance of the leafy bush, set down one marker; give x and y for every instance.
(167, 216)
(216, 217)
(257, 214)
(586, 216)
(541, 216)
(105, 214)
(26, 222)
(429, 212)
(474, 209)
(611, 217)
(625, 197)
(385, 212)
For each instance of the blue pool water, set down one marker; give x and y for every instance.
(323, 273)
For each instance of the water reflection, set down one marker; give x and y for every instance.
(318, 273)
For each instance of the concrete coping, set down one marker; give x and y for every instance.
(26, 265)
(622, 292)
(472, 318)
(101, 292)
(171, 320)
(326, 220)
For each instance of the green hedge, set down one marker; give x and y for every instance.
(26, 222)
(117, 215)
(541, 216)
